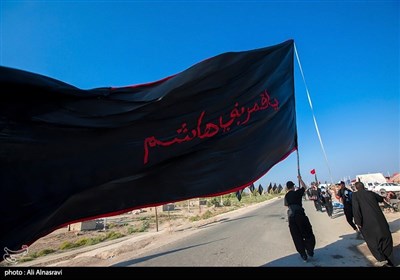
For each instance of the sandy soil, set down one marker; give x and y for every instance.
(172, 226)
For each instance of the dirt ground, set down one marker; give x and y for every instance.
(179, 223)
(127, 225)
(142, 227)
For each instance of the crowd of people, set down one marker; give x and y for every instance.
(362, 208)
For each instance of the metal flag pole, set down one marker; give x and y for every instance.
(156, 218)
(312, 111)
(298, 164)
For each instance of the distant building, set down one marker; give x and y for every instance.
(395, 178)
(82, 226)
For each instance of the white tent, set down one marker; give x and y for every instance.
(371, 180)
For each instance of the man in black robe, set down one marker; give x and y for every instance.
(373, 225)
(344, 195)
(299, 224)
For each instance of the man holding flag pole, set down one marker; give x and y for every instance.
(299, 224)
(316, 192)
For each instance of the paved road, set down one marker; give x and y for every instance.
(259, 237)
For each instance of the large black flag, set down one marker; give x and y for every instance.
(68, 154)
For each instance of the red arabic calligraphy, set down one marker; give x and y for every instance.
(211, 129)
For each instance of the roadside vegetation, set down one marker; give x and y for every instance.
(143, 220)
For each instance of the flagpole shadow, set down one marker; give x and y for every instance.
(149, 257)
(346, 252)
(331, 255)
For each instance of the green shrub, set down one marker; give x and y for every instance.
(111, 225)
(95, 240)
(113, 235)
(45, 252)
(215, 201)
(27, 259)
(194, 218)
(81, 242)
(145, 226)
(132, 229)
(66, 245)
(207, 214)
(227, 202)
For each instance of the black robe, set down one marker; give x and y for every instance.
(374, 227)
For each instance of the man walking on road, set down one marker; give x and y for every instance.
(299, 224)
(373, 224)
(345, 196)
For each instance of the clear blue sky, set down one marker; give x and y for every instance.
(349, 51)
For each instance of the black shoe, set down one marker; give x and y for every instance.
(311, 253)
(304, 257)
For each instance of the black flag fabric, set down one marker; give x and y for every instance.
(68, 154)
(260, 189)
(252, 188)
(269, 189)
(239, 194)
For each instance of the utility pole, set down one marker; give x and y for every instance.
(199, 207)
(156, 218)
